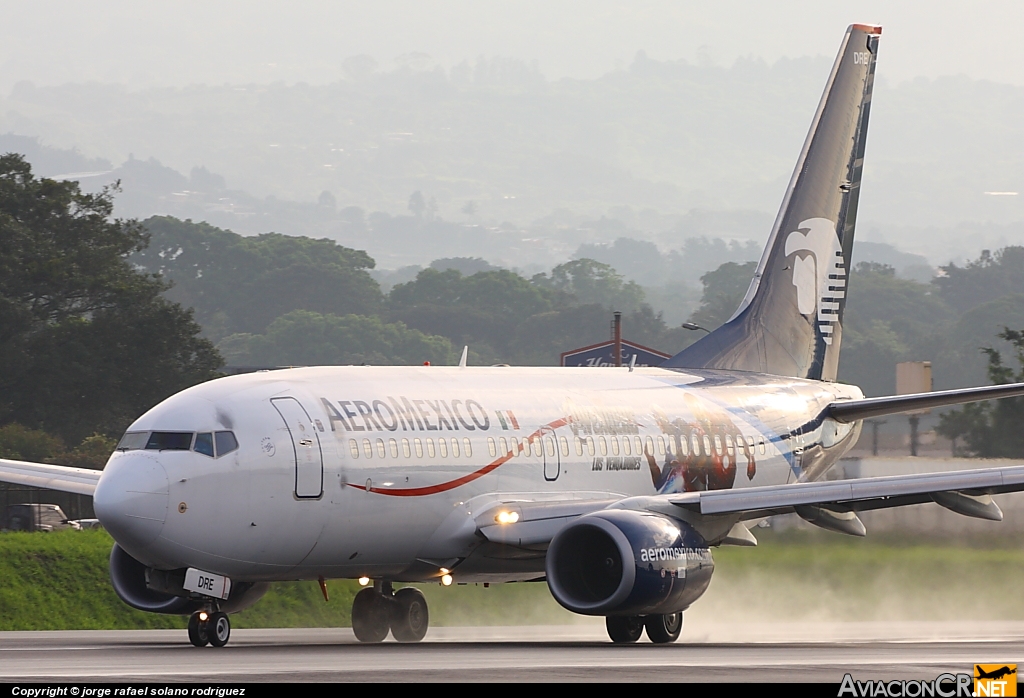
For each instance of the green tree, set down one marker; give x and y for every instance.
(241, 284)
(723, 291)
(888, 320)
(992, 429)
(482, 310)
(986, 278)
(591, 281)
(87, 342)
(304, 338)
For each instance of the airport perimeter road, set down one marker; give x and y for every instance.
(561, 653)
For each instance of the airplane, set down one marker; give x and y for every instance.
(612, 485)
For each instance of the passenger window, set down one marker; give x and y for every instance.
(467, 448)
(684, 447)
(204, 444)
(627, 448)
(418, 445)
(590, 445)
(169, 441)
(226, 442)
(565, 446)
(729, 445)
(492, 447)
(455, 448)
(650, 446)
(661, 445)
(638, 444)
(718, 445)
(603, 445)
(367, 448)
(504, 446)
(381, 452)
(550, 441)
(394, 448)
(515, 446)
(695, 444)
(405, 448)
(430, 448)
(615, 445)
(761, 446)
(579, 445)
(353, 447)
(707, 446)
(442, 447)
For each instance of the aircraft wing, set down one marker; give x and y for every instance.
(51, 477)
(535, 523)
(955, 491)
(847, 411)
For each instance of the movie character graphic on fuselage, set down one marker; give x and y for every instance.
(702, 453)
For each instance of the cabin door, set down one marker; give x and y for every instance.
(552, 460)
(309, 459)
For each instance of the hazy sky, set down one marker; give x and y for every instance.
(216, 41)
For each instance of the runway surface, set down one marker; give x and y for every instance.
(806, 652)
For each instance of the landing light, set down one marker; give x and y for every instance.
(363, 581)
(507, 517)
(204, 616)
(446, 580)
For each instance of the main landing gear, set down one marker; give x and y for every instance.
(206, 628)
(381, 609)
(660, 628)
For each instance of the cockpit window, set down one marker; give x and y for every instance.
(133, 440)
(169, 441)
(226, 442)
(204, 444)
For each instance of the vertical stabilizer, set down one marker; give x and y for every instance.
(790, 323)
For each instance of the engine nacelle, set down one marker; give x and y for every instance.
(133, 583)
(623, 562)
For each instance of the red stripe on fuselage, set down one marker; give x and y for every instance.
(458, 482)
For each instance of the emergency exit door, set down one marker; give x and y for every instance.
(309, 459)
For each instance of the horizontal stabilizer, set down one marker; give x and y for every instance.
(50, 477)
(852, 410)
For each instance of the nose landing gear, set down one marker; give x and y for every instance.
(205, 628)
(379, 610)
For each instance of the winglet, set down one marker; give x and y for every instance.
(465, 356)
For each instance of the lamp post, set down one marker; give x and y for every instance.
(694, 326)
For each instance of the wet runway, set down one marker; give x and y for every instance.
(805, 652)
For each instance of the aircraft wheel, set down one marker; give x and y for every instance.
(370, 621)
(409, 616)
(197, 631)
(664, 628)
(624, 630)
(219, 629)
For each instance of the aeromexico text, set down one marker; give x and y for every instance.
(402, 413)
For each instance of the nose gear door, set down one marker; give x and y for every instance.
(309, 460)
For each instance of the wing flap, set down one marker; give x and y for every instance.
(860, 494)
(51, 477)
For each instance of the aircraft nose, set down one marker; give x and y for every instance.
(131, 499)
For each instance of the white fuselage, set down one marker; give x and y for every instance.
(380, 471)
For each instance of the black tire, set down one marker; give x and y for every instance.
(409, 615)
(624, 630)
(218, 629)
(197, 631)
(370, 616)
(664, 628)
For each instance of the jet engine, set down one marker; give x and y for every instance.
(623, 562)
(157, 591)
